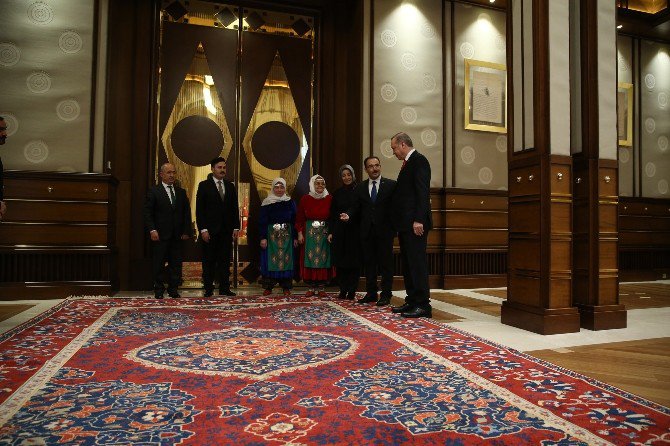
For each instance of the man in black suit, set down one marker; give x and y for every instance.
(412, 220)
(3, 137)
(373, 201)
(167, 218)
(217, 214)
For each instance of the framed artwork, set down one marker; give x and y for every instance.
(485, 96)
(624, 106)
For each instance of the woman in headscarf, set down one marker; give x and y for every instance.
(312, 226)
(278, 238)
(345, 242)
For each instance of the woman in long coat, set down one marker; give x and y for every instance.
(311, 222)
(345, 241)
(278, 238)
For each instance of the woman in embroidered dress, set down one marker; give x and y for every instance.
(345, 243)
(276, 224)
(312, 226)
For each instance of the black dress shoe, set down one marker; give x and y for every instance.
(418, 312)
(383, 301)
(227, 292)
(402, 308)
(351, 295)
(158, 296)
(208, 293)
(342, 295)
(367, 299)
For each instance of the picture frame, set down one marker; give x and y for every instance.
(485, 107)
(624, 105)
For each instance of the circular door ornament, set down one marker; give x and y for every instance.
(501, 143)
(408, 115)
(385, 148)
(650, 81)
(275, 145)
(36, 151)
(624, 155)
(427, 30)
(485, 175)
(650, 125)
(9, 54)
(40, 13)
(70, 42)
(196, 140)
(388, 92)
(408, 61)
(467, 50)
(68, 110)
(650, 169)
(468, 154)
(38, 82)
(389, 38)
(428, 82)
(663, 187)
(428, 137)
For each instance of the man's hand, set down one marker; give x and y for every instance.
(236, 233)
(418, 228)
(330, 238)
(344, 216)
(204, 235)
(154, 236)
(264, 243)
(301, 239)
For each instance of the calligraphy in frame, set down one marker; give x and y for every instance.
(624, 101)
(485, 96)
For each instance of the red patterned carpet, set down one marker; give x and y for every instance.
(291, 371)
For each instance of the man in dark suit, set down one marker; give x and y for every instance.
(412, 219)
(3, 137)
(373, 201)
(217, 214)
(167, 218)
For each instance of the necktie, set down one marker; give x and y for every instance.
(403, 164)
(171, 195)
(373, 192)
(219, 185)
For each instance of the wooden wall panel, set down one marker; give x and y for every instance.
(57, 237)
(644, 239)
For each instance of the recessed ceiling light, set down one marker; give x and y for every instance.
(492, 1)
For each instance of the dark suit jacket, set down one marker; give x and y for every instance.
(411, 199)
(1, 184)
(375, 214)
(211, 212)
(170, 222)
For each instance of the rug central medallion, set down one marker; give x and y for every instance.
(244, 352)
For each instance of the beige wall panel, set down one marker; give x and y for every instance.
(655, 116)
(480, 156)
(47, 57)
(407, 81)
